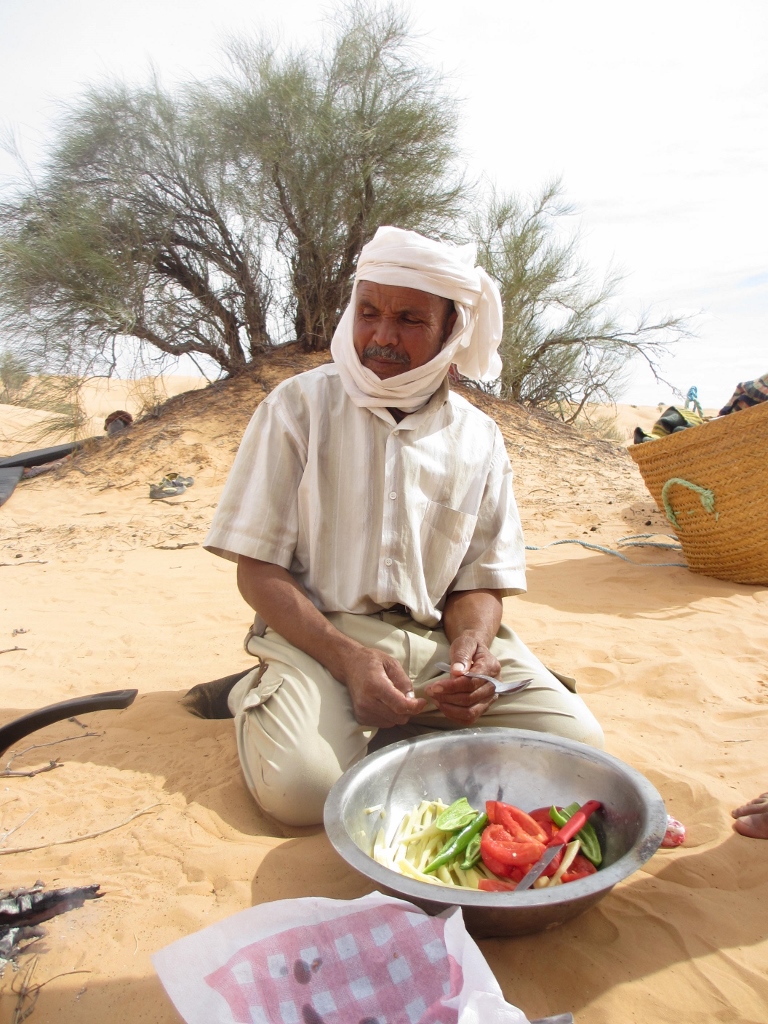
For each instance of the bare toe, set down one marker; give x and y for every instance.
(755, 826)
(757, 806)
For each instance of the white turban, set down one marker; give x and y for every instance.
(409, 260)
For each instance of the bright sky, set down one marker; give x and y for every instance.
(655, 115)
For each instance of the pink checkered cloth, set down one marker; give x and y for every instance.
(373, 960)
(361, 969)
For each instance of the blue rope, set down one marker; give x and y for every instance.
(605, 551)
(635, 540)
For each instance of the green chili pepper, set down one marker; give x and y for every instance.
(472, 853)
(456, 816)
(590, 844)
(458, 843)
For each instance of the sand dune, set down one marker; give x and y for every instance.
(112, 590)
(22, 428)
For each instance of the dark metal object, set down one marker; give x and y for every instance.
(21, 727)
(524, 768)
(40, 456)
(9, 477)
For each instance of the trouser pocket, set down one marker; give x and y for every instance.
(261, 687)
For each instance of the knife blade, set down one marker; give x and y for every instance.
(556, 844)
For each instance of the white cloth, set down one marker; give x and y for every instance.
(373, 958)
(407, 259)
(365, 512)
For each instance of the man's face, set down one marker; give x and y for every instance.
(397, 329)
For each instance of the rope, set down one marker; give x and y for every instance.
(635, 541)
(604, 550)
(706, 496)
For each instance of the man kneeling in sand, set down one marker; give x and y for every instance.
(371, 514)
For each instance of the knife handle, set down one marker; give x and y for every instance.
(575, 823)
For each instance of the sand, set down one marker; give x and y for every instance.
(112, 590)
(22, 429)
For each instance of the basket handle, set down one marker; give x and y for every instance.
(707, 498)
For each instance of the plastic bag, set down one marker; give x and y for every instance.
(320, 961)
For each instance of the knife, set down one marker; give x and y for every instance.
(556, 844)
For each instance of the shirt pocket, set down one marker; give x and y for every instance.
(445, 538)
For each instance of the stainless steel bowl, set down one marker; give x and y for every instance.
(528, 769)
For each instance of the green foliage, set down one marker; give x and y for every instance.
(227, 216)
(355, 136)
(564, 344)
(132, 231)
(14, 374)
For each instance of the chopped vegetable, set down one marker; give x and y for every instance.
(491, 851)
(569, 855)
(580, 868)
(456, 816)
(472, 853)
(590, 844)
(496, 885)
(458, 843)
(515, 821)
(505, 849)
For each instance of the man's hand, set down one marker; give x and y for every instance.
(461, 699)
(381, 692)
(471, 620)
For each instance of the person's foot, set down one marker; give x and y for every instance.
(209, 700)
(752, 818)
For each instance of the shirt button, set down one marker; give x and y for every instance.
(393, 494)
(387, 561)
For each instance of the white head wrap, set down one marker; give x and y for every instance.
(410, 260)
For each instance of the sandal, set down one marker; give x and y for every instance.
(171, 485)
(165, 489)
(178, 480)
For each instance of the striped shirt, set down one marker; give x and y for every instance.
(367, 513)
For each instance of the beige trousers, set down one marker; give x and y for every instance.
(296, 733)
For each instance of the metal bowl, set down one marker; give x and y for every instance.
(528, 769)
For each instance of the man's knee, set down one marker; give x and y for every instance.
(295, 801)
(588, 731)
(290, 784)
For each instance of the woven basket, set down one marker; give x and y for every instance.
(712, 482)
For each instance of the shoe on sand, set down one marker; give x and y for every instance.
(165, 489)
(177, 480)
(209, 700)
(171, 485)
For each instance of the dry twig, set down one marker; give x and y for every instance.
(31, 774)
(27, 992)
(77, 839)
(39, 746)
(17, 827)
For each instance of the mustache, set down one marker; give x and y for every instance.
(385, 354)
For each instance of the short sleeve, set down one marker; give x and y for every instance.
(257, 515)
(495, 559)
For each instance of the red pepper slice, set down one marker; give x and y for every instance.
(580, 868)
(541, 816)
(500, 846)
(519, 824)
(492, 885)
